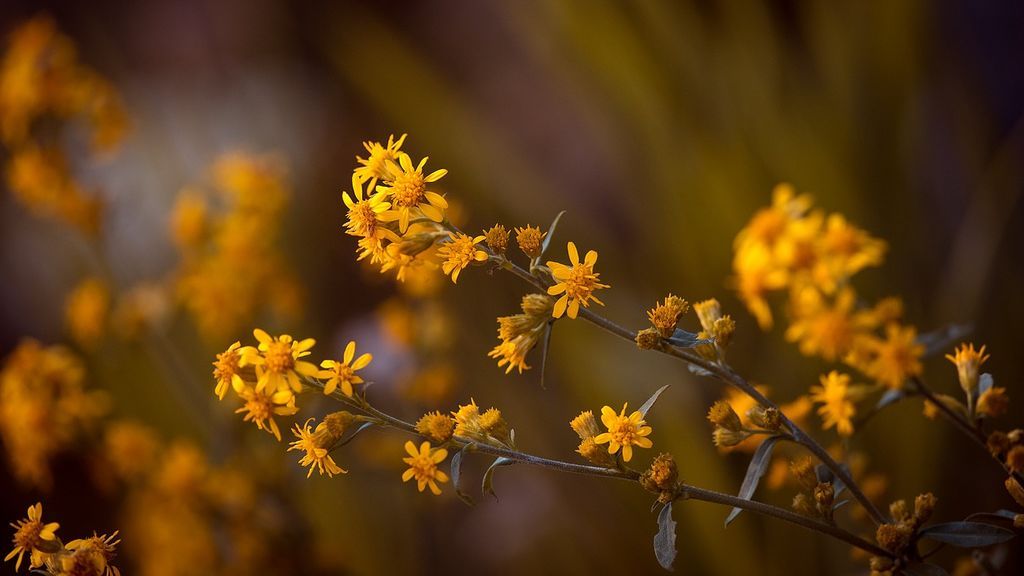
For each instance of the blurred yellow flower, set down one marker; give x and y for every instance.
(92, 556)
(423, 466)
(624, 432)
(837, 398)
(86, 311)
(576, 283)
(896, 358)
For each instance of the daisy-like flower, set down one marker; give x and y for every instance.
(34, 537)
(364, 212)
(225, 370)
(277, 362)
(343, 374)
(261, 407)
(408, 192)
(576, 283)
(423, 466)
(837, 398)
(459, 253)
(374, 166)
(316, 455)
(624, 432)
(92, 555)
(896, 358)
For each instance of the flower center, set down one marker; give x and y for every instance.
(259, 407)
(408, 189)
(226, 366)
(363, 219)
(580, 283)
(27, 535)
(279, 357)
(623, 432)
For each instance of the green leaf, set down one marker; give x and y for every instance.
(650, 401)
(665, 539)
(758, 465)
(487, 485)
(362, 427)
(967, 534)
(925, 569)
(544, 353)
(683, 339)
(549, 235)
(457, 474)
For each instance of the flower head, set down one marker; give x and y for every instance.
(92, 556)
(364, 214)
(459, 253)
(576, 283)
(666, 315)
(896, 358)
(33, 536)
(837, 398)
(374, 166)
(316, 447)
(226, 370)
(423, 466)
(261, 407)
(407, 190)
(343, 374)
(968, 361)
(624, 432)
(278, 362)
(497, 238)
(529, 239)
(436, 426)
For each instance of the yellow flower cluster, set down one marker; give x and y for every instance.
(519, 333)
(42, 82)
(44, 408)
(231, 266)
(48, 555)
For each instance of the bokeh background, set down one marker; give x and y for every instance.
(660, 127)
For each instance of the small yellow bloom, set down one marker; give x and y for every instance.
(529, 239)
(364, 214)
(497, 238)
(261, 407)
(408, 192)
(374, 166)
(226, 370)
(277, 362)
(436, 426)
(33, 536)
(968, 361)
(896, 358)
(624, 432)
(459, 253)
(92, 556)
(317, 455)
(343, 373)
(837, 398)
(665, 316)
(423, 466)
(86, 310)
(576, 283)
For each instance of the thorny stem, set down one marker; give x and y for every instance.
(686, 491)
(726, 374)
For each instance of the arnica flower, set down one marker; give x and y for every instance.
(459, 253)
(436, 426)
(666, 315)
(33, 536)
(423, 466)
(837, 398)
(92, 556)
(624, 432)
(364, 214)
(261, 407)
(519, 333)
(278, 364)
(529, 238)
(408, 192)
(896, 358)
(576, 283)
(226, 370)
(316, 448)
(496, 238)
(374, 166)
(343, 374)
(968, 361)
(485, 427)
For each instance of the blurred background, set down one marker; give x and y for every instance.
(660, 127)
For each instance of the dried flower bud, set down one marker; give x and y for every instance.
(723, 330)
(899, 511)
(1015, 436)
(595, 453)
(998, 443)
(993, 403)
(537, 305)
(802, 505)
(494, 425)
(496, 238)
(722, 415)
(1015, 490)
(725, 438)
(1015, 459)
(665, 316)
(708, 311)
(894, 537)
(529, 240)
(924, 505)
(1018, 521)
(329, 431)
(803, 472)
(767, 418)
(436, 426)
(824, 496)
(662, 475)
(648, 339)
(585, 425)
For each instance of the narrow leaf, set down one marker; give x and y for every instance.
(362, 427)
(889, 398)
(544, 353)
(654, 398)
(487, 485)
(665, 539)
(985, 382)
(840, 504)
(550, 234)
(925, 569)
(939, 340)
(756, 469)
(998, 515)
(457, 474)
(683, 339)
(698, 370)
(967, 534)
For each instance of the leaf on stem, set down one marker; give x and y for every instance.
(361, 427)
(549, 235)
(487, 485)
(967, 534)
(683, 339)
(985, 383)
(937, 341)
(457, 474)
(650, 401)
(758, 465)
(544, 353)
(665, 539)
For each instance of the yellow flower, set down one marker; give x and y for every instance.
(260, 408)
(364, 214)
(529, 239)
(436, 426)
(226, 370)
(497, 238)
(408, 192)
(344, 373)
(317, 455)
(92, 556)
(33, 536)
(130, 448)
(623, 432)
(519, 333)
(769, 224)
(666, 315)
(968, 361)
(826, 330)
(459, 253)
(189, 220)
(756, 273)
(86, 311)
(277, 362)
(848, 249)
(837, 398)
(576, 283)
(423, 466)
(374, 167)
(896, 358)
